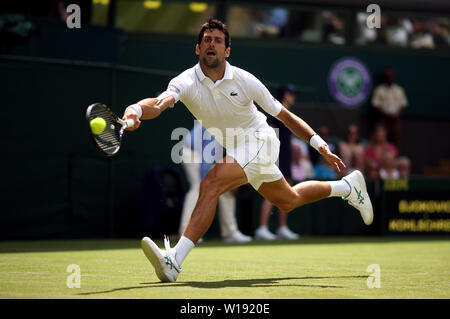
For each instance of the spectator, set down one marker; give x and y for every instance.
(388, 168)
(421, 37)
(334, 28)
(271, 23)
(301, 166)
(389, 100)
(440, 31)
(398, 31)
(403, 167)
(379, 146)
(324, 132)
(372, 170)
(372, 173)
(324, 171)
(365, 35)
(351, 150)
(286, 95)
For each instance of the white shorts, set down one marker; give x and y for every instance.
(257, 155)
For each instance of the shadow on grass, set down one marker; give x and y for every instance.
(243, 283)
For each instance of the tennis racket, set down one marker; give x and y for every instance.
(107, 142)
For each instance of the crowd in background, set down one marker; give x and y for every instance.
(378, 156)
(406, 32)
(332, 27)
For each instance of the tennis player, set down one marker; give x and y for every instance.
(222, 96)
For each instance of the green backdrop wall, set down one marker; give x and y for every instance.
(55, 185)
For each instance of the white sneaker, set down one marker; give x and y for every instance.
(285, 233)
(358, 197)
(237, 237)
(264, 234)
(163, 261)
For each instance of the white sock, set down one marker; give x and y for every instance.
(339, 188)
(183, 247)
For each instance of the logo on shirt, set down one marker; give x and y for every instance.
(233, 93)
(349, 82)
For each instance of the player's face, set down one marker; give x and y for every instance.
(212, 51)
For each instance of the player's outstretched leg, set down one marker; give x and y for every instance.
(351, 187)
(222, 178)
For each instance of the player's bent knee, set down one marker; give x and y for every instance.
(210, 187)
(286, 208)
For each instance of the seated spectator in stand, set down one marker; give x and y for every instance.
(395, 31)
(388, 169)
(365, 35)
(324, 133)
(324, 171)
(271, 22)
(379, 146)
(421, 37)
(334, 28)
(301, 167)
(352, 151)
(441, 32)
(403, 167)
(389, 100)
(372, 173)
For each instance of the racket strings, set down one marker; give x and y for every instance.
(109, 139)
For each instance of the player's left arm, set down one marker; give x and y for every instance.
(301, 129)
(261, 95)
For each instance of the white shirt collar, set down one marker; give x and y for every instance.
(198, 70)
(228, 75)
(228, 71)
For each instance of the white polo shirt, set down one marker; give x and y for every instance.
(228, 103)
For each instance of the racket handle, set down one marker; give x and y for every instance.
(129, 122)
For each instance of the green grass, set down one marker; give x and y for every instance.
(307, 268)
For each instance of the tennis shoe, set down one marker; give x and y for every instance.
(284, 232)
(358, 196)
(237, 237)
(163, 261)
(264, 233)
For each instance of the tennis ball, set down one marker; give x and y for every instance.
(97, 125)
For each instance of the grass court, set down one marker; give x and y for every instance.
(316, 267)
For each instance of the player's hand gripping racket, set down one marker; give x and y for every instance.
(105, 128)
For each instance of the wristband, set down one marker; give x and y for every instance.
(137, 108)
(316, 141)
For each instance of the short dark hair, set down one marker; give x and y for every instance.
(212, 24)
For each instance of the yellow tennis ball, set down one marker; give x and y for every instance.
(97, 125)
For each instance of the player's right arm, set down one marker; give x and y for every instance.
(150, 107)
